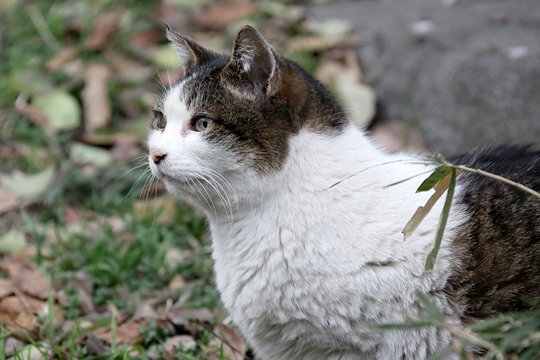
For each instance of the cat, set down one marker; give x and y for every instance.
(307, 236)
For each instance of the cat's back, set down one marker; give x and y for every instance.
(500, 243)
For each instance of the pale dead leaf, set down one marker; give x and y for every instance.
(12, 241)
(8, 201)
(97, 105)
(233, 344)
(312, 43)
(179, 342)
(26, 278)
(61, 57)
(16, 317)
(340, 69)
(145, 311)
(105, 25)
(11, 345)
(6, 287)
(395, 136)
(174, 256)
(126, 68)
(28, 185)
(125, 333)
(35, 115)
(184, 316)
(422, 211)
(219, 15)
(85, 301)
(177, 282)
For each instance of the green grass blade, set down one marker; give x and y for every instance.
(432, 256)
(440, 173)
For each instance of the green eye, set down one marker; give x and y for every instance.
(202, 124)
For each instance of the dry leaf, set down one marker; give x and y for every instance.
(234, 347)
(6, 287)
(422, 211)
(177, 282)
(218, 16)
(103, 28)
(17, 317)
(341, 70)
(184, 316)
(395, 136)
(26, 278)
(97, 105)
(8, 201)
(125, 334)
(311, 43)
(61, 57)
(179, 342)
(145, 311)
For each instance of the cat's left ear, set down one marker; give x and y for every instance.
(253, 65)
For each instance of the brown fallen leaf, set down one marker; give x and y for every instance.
(26, 278)
(177, 282)
(307, 43)
(126, 333)
(234, 347)
(34, 114)
(17, 317)
(61, 57)
(178, 342)
(105, 25)
(396, 136)
(184, 316)
(219, 15)
(340, 68)
(8, 201)
(145, 311)
(6, 288)
(97, 105)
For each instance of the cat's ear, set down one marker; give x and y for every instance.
(190, 53)
(253, 65)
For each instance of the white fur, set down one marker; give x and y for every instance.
(305, 268)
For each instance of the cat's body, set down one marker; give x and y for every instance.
(306, 233)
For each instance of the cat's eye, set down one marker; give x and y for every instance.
(159, 120)
(202, 124)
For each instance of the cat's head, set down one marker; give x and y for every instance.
(229, 118)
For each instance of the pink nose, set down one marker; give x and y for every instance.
(157, 155)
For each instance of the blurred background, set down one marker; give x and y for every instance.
(96, 262)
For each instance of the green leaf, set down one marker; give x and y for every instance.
(85, 154)
(432, 256)
(61, 108)
(28, 186)
(12, 241)
(440, 173)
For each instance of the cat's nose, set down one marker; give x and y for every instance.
(157, 155)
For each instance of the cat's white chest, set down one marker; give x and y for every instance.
(312, 269)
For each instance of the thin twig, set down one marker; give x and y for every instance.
(493, 176)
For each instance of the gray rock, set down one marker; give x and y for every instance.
(468, 74)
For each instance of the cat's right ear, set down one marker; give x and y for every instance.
(253, 64)
(190, 53)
